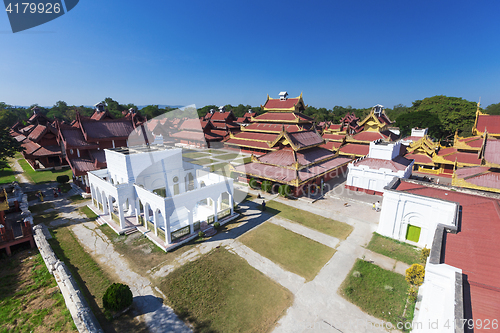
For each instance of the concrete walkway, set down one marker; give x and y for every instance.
(157, 316)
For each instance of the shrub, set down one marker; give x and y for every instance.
(62, 179)
(415, 274)
(253, 183)
(117, 297)
(424, 254)
(284, 190)
(216, 225)
(356, 274)
(412, 294)
(201, 234)
(266, 186)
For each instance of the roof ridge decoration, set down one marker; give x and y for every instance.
(426, 144)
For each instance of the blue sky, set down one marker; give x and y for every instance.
(357, 53)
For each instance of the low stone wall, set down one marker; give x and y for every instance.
(83, 317)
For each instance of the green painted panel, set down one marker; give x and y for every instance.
(413, 233)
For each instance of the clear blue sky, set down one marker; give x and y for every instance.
(357, 53)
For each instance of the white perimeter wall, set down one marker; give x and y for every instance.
(399, 209)
(372, 179)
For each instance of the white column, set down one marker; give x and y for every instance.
(231, 203)
(155, 218)
(190, 217)
(121, 216)
(166, 227)
(215, 203)
(137, 209)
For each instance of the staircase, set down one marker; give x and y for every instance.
(210, 231)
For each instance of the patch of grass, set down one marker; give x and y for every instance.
(29, 297)
(45, 176)
(45, 218)
(322, 224)
(293, 252)
(221, 168)
(38, 208)
(216, 151)
(245, 160)
(195, 155)
(394, 249)
(91, 279)
(203, 161)
(228, 156)
(89, 213)
(221, 292)
(7, 175)
(77, 198)
(378, 292)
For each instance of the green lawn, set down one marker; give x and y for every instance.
(44, 176)
(89, 213)
(7, 176)
(221, 168)
(228, 156)
(245, 160)
(91, 278)
(378, 292)
(77, 198)
(322, 224)
(221, 292)
(215, 151)
(195, 154)
(41, 207)
(293, 252)
(203, 161)
(30, 300)
(394, 249)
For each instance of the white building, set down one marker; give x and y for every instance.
(154, 186)
(373, 172)
(416, 134)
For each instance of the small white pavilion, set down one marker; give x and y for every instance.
(155, 186)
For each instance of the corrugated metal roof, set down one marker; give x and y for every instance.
(490, 123)
(108, 129)
(305, 139)
(492, 151)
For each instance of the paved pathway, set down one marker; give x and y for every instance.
(157, 316)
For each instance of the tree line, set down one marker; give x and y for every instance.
(441, 114)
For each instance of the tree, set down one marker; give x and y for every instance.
(114, 107)
(266, 186)
(421, 119)
(8, 146)
(59, 111)
(454, 113)
(493, 109)
(415, 275)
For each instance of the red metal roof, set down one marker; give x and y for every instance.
(355, 149)
(257, 136)
(420, 158)
(81, 166)
(108, 129)
(272, 127)
(331, 145)
(305, 139)
(490, 123)
(249, 143)
(37, 133)
(222, 116)
(48, 151)
(492, 151)
(475, 248)
(369, 136)
(335, 127)
(398, 164)
(74, 138)
(474, 141)
(30, 147)
(461, 157)
(470, 171)
(20, 138)
(189, 135)
(489, 179)
(334, 137)
(281, 104)
(191, 124)
(285, 156)
(282, 116)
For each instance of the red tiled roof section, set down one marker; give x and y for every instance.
(398, 164)
(256, 136)
(281, 104)
(461, 157)
(30, 147)
(37, 133)
(335, 127)
(272, 127)
(191, 124)
(305, 139)
(222, 116)
(355, 149)
(213, 136)
(285, 156)
(220, 133)
(323, 167)
(48, 150)
(82, 165)
(98, 155)
(492, 151)
(334, 137)
(490, 123)
(108, 129)
(249, 143)
(470, 171)
(489, 179)
(74, 138)
(331, 145)
(420, 158)
(189, 135)
(284, 117)
(369, 136)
